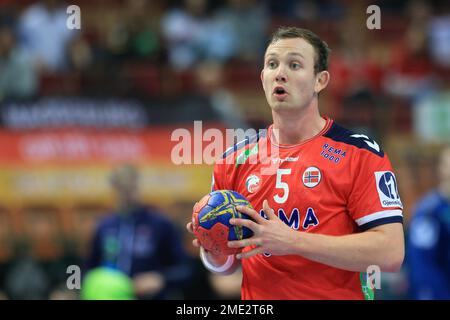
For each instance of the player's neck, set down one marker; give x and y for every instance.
(294, 127)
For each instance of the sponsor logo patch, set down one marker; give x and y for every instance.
(387, 189)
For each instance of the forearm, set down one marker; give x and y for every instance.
(353, 252)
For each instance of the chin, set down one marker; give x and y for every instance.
(280, 106)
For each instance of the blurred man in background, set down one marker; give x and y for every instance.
(44, 35)
(140, 242)
(428, 253)
(18, 80)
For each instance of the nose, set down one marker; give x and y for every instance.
(281, 75)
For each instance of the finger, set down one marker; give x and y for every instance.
(196, 243)
(189, 227)
(193, 208)
(270, 213)
(244, 243)
(251, 212)
(245, 223)
(251, 253)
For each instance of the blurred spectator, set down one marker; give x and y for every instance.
(248, 22)
(183, 29)
(45, 36)
(439, 33)
(26, 278)
(135, 32)
(283, 10)
(428, 243)
(192, 35)
(143, 25)
(140, 242)
(27, 281)
(410, 69)
(80, 54)
(431, 114)
(17, 77)
(210, 82)
(31, 276)
(357, 97)
(306, 10)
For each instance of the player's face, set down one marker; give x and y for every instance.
(288, 77)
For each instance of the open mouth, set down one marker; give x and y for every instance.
(279, 90)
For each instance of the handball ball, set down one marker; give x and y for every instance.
(211, 221)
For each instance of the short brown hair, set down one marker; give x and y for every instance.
(320, 47)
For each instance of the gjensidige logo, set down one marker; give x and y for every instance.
(387, 189)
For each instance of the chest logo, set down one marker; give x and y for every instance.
(253, 183)
(311, 177)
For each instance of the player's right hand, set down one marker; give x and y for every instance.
(189, 228)
(196, 243)
(217, 260)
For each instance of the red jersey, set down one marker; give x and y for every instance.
(336, 183)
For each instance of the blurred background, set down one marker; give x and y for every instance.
(76, 103)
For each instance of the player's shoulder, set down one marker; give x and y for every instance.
(359, 141)
(243, 144)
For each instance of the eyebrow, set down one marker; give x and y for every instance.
(290, 54)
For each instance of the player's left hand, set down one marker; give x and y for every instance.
(270, 235)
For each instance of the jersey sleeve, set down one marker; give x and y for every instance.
(374, 198)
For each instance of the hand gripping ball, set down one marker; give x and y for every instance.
(211, 221)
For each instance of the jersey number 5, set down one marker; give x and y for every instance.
(282, 185)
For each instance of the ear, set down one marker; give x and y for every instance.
(262, 79)
(322, 80)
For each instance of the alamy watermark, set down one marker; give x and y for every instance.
(74, 280)
(229, 146)
(374, 20)
(373, 274)
(239, 146)
(74, 17)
